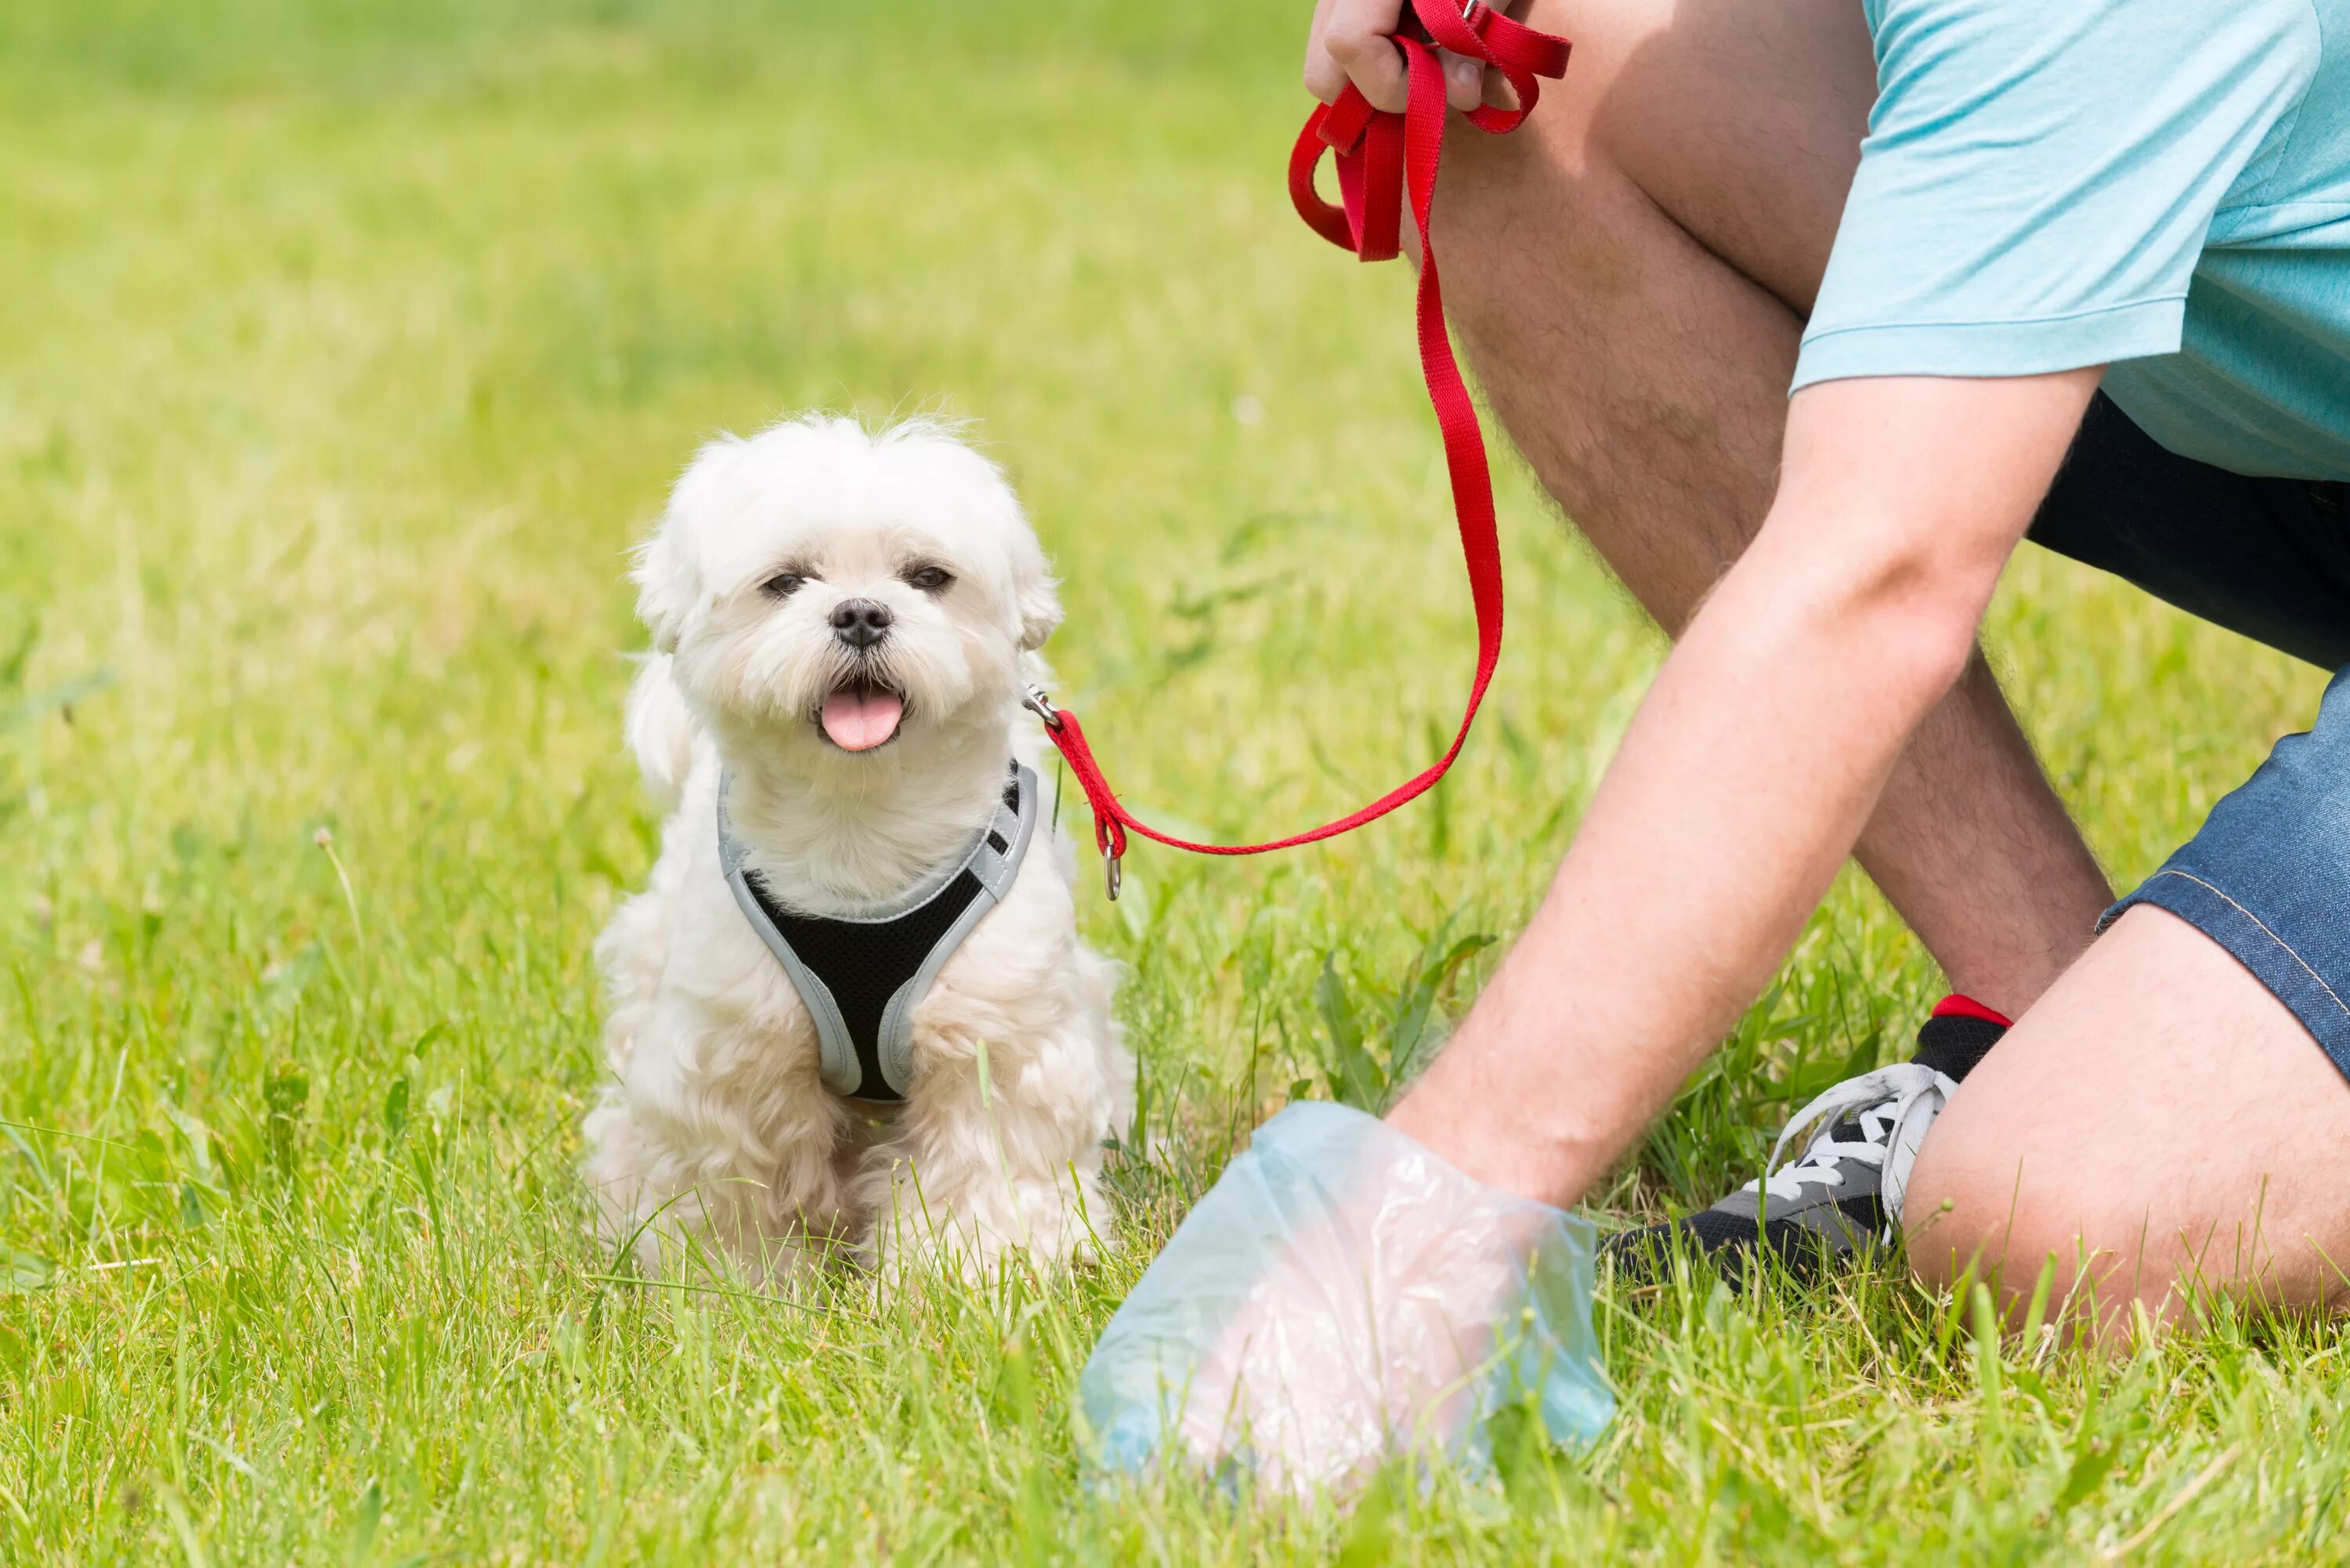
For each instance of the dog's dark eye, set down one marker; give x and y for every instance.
(929, 579)
(783, 584)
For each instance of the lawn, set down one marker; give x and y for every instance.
(345, 347)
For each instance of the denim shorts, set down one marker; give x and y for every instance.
(2268, 875)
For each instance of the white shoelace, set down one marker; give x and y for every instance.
(1895, 1106)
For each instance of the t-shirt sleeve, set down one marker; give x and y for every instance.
(2038, 179)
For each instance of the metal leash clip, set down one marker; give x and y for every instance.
(1036, 702)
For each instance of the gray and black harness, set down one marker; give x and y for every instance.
(861, 977)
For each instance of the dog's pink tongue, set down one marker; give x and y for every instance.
(860, 720)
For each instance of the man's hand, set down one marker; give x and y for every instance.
(1753, 764)
(1353, 40)
(1339, 1298)
(1366, 1334)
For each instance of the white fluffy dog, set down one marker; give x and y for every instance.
(843, 623)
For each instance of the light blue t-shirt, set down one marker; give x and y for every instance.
(2159, 185)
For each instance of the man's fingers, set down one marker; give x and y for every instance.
(1324, 79)
(1354, 34)
(1464, 80)
(1374, 63)
(1351, 41)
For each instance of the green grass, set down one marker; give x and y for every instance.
(345, 346)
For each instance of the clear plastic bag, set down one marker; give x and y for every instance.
(1340, 1297)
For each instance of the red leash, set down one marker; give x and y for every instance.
(1383, 158)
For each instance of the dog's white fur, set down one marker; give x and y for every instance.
(715, 1128)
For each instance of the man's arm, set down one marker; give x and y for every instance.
(1744, 781)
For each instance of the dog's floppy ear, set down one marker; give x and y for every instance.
(668, 572)
(1040, 611)
(665, 587)
(1033, 592)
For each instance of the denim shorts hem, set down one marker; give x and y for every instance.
(2316, 999)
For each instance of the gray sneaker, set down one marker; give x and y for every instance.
(1842, 1192)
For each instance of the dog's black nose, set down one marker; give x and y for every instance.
(860, 623)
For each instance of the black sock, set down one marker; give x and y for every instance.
(1960, 1034)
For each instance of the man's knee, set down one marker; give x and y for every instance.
(2089, 1253)
(2087, 1135)
(1737, 121)
(1971, 1210)
(1628, 269)
(2000, 1196)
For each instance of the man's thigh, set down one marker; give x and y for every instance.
(1740, 120)
(2160, 1108)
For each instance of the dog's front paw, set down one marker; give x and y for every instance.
(974, 1234)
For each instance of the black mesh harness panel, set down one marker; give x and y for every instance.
(861, 978)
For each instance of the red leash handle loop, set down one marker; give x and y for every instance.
(1385, 162)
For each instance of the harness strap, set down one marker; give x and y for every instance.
(1384, 160)
(861, 977)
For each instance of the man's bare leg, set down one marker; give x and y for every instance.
(1629, 274)
(2160, 1113)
